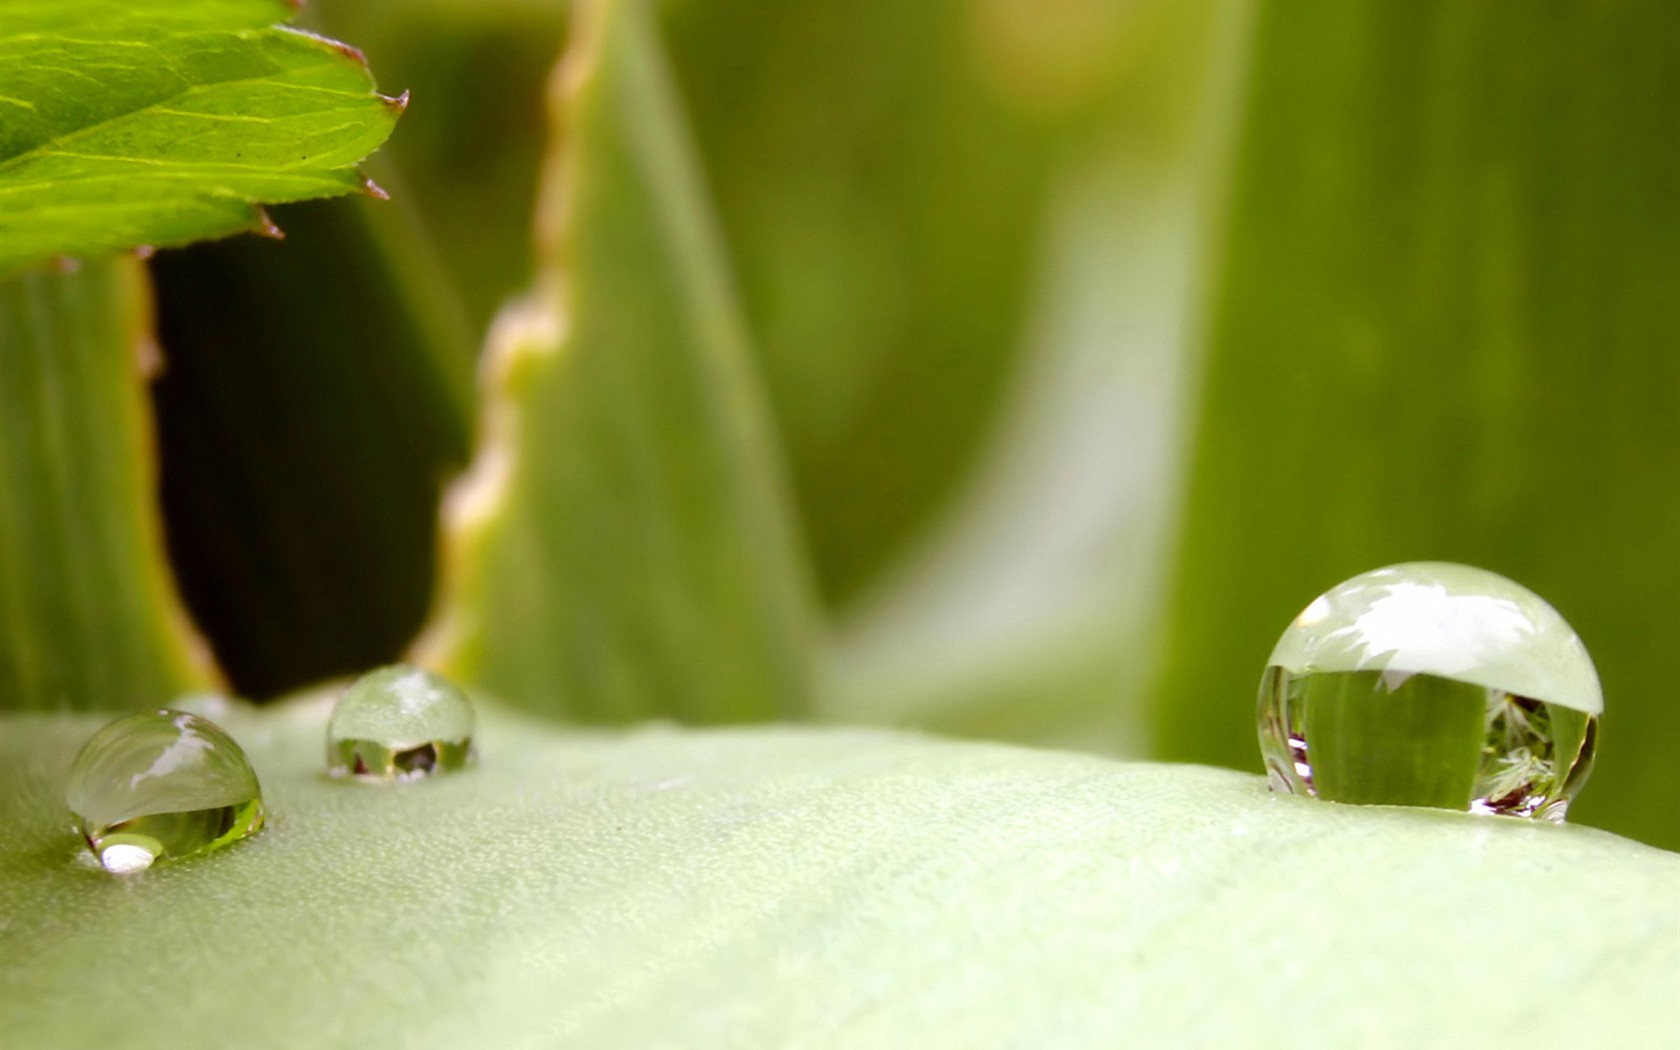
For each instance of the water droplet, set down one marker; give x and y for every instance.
(161, 785)
(1431, 684)
(399, 723)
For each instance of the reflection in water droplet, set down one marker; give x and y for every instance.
(1431, 684)
(399, 723)
(162, 785)
(120, 858)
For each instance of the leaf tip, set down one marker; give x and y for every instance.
(264, 227)
(397, 105)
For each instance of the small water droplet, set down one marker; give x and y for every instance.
(399, 723)
(161, 785)
(1431, 684)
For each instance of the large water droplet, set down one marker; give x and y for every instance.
(162, 785)
(399, 723)
(1431, 684)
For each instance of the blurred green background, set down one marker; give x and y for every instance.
(1096, 338)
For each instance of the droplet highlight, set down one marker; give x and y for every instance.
(162, 785)
(1431, 684)
(399, 723)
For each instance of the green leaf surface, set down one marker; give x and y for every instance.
(317, 397)
(1445, 329)
(165, 121)
(622, 547)
(818, 888)
(88, 614)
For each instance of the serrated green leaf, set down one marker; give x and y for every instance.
(819, 888)
(1445, 330)
(622, 547)
(88, 616)
(159, 122)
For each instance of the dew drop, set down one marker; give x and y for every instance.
(1431, 684)
(399, 723)
(161, 785)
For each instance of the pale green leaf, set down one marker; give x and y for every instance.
(768, 888)
(88, 614)
(164, 121)
(622, 546)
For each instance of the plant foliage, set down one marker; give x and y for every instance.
(159, 122)
(778, 887)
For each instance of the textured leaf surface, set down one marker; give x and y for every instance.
(88, 616)
(164, 121)
(819, 888)
(1446, 330)
(622, 547)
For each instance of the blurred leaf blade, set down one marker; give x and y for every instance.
(318, 396)
(1028, 612)
(202, 110)
(88, 615)
(882, 889)
(884, 198)
(1454, 260)
(622, 547)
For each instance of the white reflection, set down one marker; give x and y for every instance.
(1428, 627)
(125, 859)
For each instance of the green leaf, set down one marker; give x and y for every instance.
(165, 121)
(1029, 610)
(622, 546)
(318, 395)
(773, 887)
(1445, 330)
(883, 193)
(88, 616)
